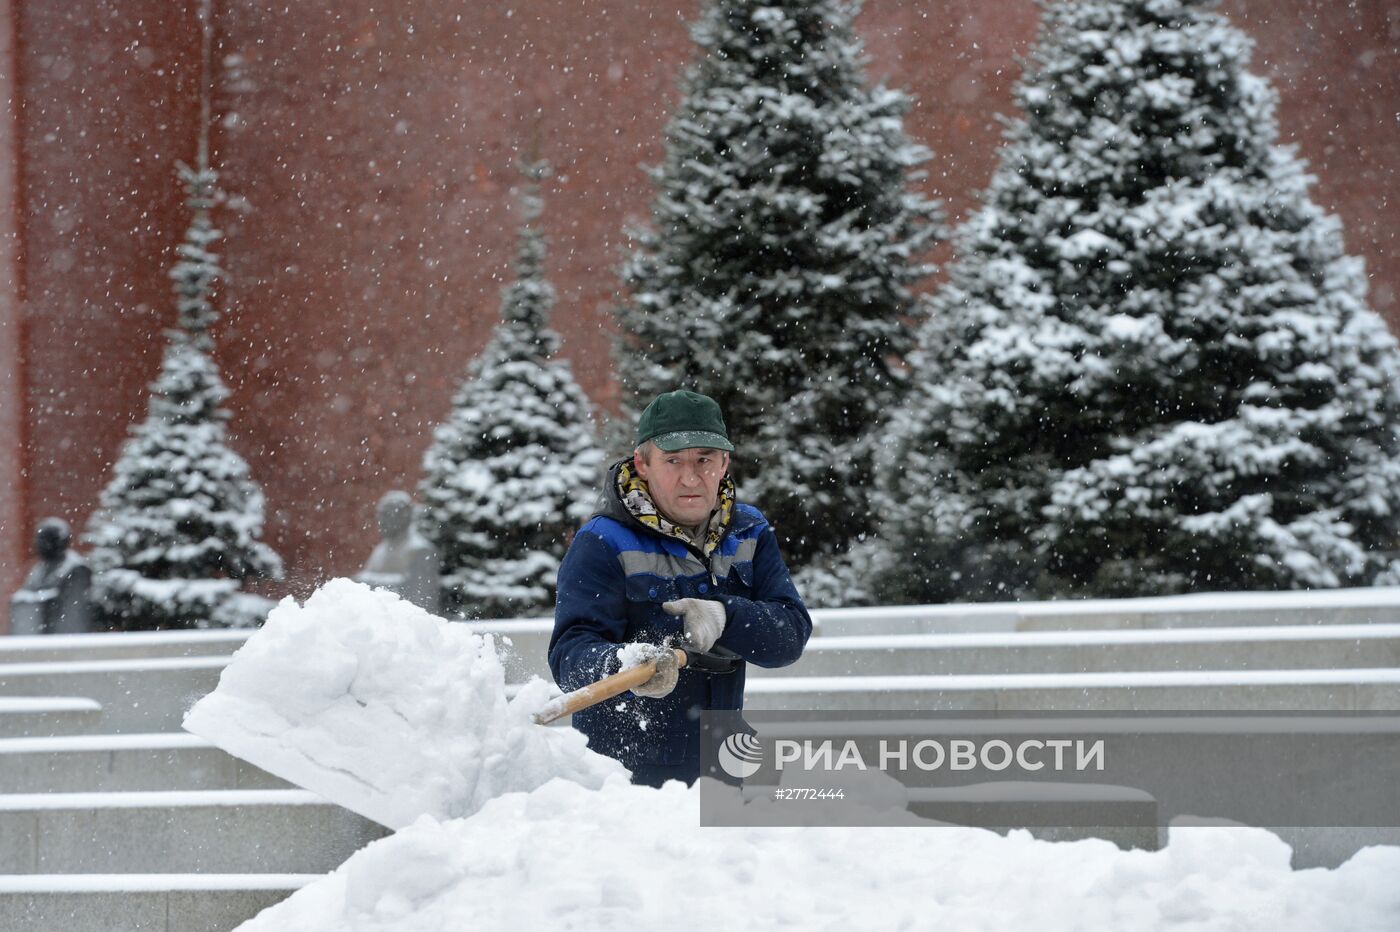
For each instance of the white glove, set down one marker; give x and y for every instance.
(667, 667)
(704, 620)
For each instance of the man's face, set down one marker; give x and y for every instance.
(684, 484)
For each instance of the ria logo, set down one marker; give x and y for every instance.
(741, 755)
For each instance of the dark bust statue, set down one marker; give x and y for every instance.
(54, 598)
(403, 561)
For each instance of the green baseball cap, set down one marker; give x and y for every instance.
(683, 420)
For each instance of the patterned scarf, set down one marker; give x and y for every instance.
(635, 495)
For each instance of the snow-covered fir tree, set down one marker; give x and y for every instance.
(776, 272)
(179, 525)
(515, 467)
(1154, 369)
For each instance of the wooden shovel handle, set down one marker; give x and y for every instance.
(606, 688)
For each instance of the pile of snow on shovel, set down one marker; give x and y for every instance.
(387, 710)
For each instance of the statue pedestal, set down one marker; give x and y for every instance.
(28, 611)
(418, 588)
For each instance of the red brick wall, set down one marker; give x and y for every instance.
(106, 102)
(12, 487)
(1336, 67)
(376, 154)
(369, 150)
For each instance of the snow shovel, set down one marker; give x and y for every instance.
(715, 660)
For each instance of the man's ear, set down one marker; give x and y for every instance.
(639, 464)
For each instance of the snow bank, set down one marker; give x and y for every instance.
(564, 857)
(386, 710)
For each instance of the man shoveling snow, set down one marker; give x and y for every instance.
(394, 713)
(671, 558)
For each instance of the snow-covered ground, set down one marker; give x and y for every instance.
(158, 883)
(48, 704)
(1356, 597)
(405, 718)
(1097, 638)
(1135, 678)
(566, 857)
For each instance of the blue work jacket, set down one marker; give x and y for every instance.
(611, 585)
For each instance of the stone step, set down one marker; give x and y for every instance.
(523, 646)
(1280, 647)
(139, 700)
(47, 715)
(216, 832)
(124, 763)
(1362, 606)
(1380, 605)
(1277, 647)
(121, 645)
(136, 695)
(1240, 690)
(149, 902)
(127, 645)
